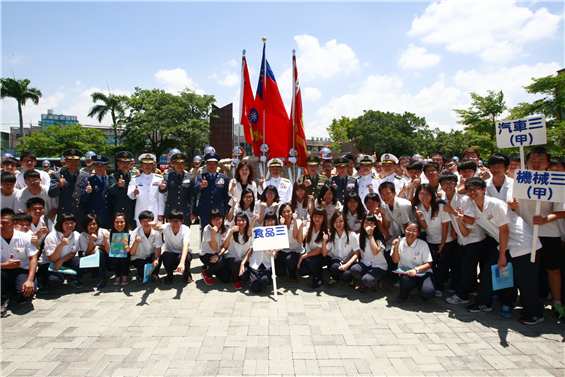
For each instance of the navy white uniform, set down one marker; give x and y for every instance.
(397, 180)
(149, 197)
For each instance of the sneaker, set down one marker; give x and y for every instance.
(477, 308)
(5, 307)
(362, 288)
(331, 283)
(207, 280)
(378, 287)
(117, 280)
(43, 289)
(76, 283)
(439, 294)
(155, 279)
(101, 284)
(456, 300)
(169, 279)
(237, 285)
(352, 284)
(533, 320)
(400, 300)
(506, 311)
(316, 283)
(125, 280)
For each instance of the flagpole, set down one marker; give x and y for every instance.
(264, 94)
(294, 107)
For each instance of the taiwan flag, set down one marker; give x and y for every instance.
(277, 124)
(248, 113)
(297, 123)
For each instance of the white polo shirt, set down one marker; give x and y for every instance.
(302, 209)
(20, 247)
(435, 224)
(51, 242)
(505, 189)
(239, 249)
(293, 245)
(414, 255)
(10, 200)
(207, 237)
(84, 239)
(370, 260)
(174, 242)
(148, 244)
(21, 184)
(260, 257)
(401, 211)
(527, 210)
(477, 233)
(48, 223)
(341, 248)
(353, 222)
(330, 208)
(247, 211)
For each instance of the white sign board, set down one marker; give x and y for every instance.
(545, 186)
(270, 238)
(521, 132)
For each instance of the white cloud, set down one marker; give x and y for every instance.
(417, 57)
(494, 31)
(311, 94)
(176, 80)
(232, 62)
(231, 79)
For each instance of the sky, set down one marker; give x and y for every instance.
(420, 57)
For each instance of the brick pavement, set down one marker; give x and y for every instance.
(197, 330)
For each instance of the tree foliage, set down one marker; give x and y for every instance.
(110, 104)
(338, 131)
(54, 140)
(21, 92)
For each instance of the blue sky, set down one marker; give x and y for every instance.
(421, 57)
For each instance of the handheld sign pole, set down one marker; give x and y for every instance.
(535, 237)
(264, 237)
(274, 277)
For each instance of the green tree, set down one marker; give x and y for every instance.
(481, 116)
(54, 140)
(338, 132)
(111, 104)
(21, 92)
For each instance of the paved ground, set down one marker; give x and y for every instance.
(196, 330)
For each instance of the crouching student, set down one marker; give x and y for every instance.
(414, 253)
(237, 244)
(514, 237)
(91, 240)
(60, 248)
(176, 256)
(342, 245)
(120, 265)
(373, 266)
(313, 261)
(18, 261)
(40, 225)
(287, 259)
(260, 268)
(213, 237)
(145, 247)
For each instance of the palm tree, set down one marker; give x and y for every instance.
(18, 89)
(110, 104)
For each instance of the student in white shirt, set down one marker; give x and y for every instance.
(354, 211)
(176, 255)
(414, 253)
(213, 237)
(18, 261)
(244, 179)
(515, 238)
(499, 186)
(120, 265)
(8, 192)
(373, 265)
(269, 202)
(40, 225)
(399, 210)
(327, 199)
(145, 247)
(237, 244)
(313, 261)
(246, 203)
(300, 202)
(342, 245)
(287, 259)
(91, 240)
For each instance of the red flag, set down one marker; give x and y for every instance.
(297, 123)
(248, 113)
(268, 101)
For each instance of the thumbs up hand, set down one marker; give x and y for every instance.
(513, 203)
(136, 192)
(419, 214)
(121, 182)
(88, 187)
(204, 183)
(163, 184)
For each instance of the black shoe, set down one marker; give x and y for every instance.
(169, 279)
(317, 283)
(187, 278)
(477, 308)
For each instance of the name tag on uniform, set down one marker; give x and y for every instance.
(186, 181)
(140, 184)
(155, 184)
(321, 184)
(350, 185)
(283, 186)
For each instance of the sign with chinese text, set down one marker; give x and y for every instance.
(546, 186)
(270, 238)
(521, 132)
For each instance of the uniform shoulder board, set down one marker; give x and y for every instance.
(158, 175)
(285, 180)
(134, 174)
(375, 177)
(397, 177)
(357, 177)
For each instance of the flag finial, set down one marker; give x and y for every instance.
(264, 39)
(293, 52)
(243, 51)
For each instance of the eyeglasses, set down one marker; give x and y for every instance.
(430, 171)
(448, 183)
(424, 194)
(407, 230)
(476, 189)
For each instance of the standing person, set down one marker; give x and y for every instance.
(537, 159)
(313, 180)
(8, 191)
(145, 247)
(35, 189)
(213, 237)
(119, 183)
(46, 164)
(474, 155)
(213, 188)
(389, 162)
(499, 186)
(10, 165)
(440, 159)
(431, 171)
(351, 171)
(145, 189)
(467, 169)
(196, 162)
(244, 178)
(343, 183)
(95, 192)
(414, 169)
(403, 162)
(178, 186)
(66, 185)
(514, 237)
(18, 261)
(515, 163)
(313, 261)
(88, 160)
(414, 253)
(300, 202)
(287, 259)
(283, 185)
(28, 160)
(366, 182)
(327, 167)
(238, 243)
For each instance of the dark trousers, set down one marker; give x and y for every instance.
(472, 254)
(259, 278)
(103, 263)
(287, 261)
(120, 266)
(171, 261)
(234, 264)
(425, 284)
(367, 275)
(314, 265)
(525, 279)
(220, 268)
(48, 278)
(12, 281)
(550, 259)
(140, 263)
(337, 274)
(391, 267)
(441, 262)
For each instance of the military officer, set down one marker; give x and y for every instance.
(283, 185)
(313, 180)
(95, 192)
(65, 185)
(367, 182)
(119, 182)
(145, 189)
(342, 182)
(213, 188)
(178, 187)
(389, 162)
